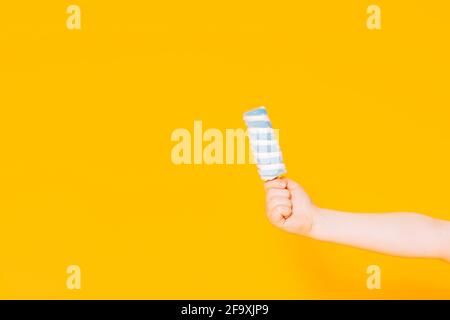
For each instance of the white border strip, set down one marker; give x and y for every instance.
(261, 117)
(271, 166)
(271, 142)
(260, 130)
(266, 155)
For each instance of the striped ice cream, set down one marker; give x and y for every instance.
(264, 144)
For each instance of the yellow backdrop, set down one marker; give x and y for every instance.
(86, 117)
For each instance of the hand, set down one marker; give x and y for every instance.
(289, 206)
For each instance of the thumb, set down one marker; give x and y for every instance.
(296, 191)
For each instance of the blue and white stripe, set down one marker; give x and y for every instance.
(264, 144)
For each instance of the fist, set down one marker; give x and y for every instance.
(288, 206)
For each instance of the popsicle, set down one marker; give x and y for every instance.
(264, 144)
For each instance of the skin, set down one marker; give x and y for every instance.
(404, 234)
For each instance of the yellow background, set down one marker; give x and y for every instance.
(86, 117)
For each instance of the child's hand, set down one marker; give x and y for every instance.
(289, 206)
(403, 234)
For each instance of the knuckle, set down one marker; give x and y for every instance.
(285, 193)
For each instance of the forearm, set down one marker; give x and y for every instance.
(400, 234)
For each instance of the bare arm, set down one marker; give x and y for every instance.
(402, 234)
(399, 234)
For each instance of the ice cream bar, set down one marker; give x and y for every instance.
(264, 144)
